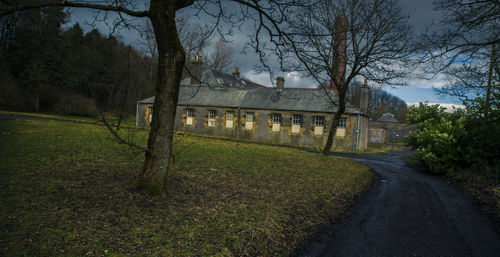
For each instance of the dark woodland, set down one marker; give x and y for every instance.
(47, 67)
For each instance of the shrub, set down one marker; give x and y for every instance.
(438, 138)
(464, 141)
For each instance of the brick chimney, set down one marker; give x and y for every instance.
(280, 83)
(363, 101)
(198, 59)
(236, 73)
(339, 58)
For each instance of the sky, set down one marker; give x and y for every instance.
(421, 14)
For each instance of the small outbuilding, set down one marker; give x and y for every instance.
(388, 129)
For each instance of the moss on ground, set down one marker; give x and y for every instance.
(65, 190)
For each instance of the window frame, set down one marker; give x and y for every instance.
(227, 115)
(252, 115)
(296, 119)
(342, 123)
(189, 113)
(276, 118)
(319, 121)
(212, 114)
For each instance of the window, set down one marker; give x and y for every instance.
(341, 128)
(189, 117)
(296, 122)
(276, 122)
(229, 119)
(150, 109)
(342, 123)
(249, 120)
(250, 117)
(319, 121)
(276, 118)
(211, 118)
(211, 114)
(296, 119)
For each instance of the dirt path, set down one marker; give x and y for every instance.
(409, 213)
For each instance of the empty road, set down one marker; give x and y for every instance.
(409, 213)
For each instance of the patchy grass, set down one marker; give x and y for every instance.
(484, 193)
(384, 148)
(65, 190)
(127, 122)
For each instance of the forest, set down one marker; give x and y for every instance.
(50, 67)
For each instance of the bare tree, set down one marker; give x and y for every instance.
(465, 47)
(337, 41)
(171, 58)
(194, 37)
(222, 55)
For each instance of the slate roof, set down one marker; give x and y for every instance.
(212, 77)
(387, 117)
(289, 99)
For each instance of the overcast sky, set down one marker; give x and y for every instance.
(421, 15)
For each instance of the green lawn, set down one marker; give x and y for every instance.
(65, 190)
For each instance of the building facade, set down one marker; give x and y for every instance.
(388, 129)
(287, 116)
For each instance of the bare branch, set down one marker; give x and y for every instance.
(9, 9)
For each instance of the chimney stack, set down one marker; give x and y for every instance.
(236, 73)
(339, 59)
(363, 101)
(280, 83)
(198, 59)
(196, 70)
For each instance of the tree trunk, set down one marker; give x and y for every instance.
(171, 59)
(335, 123)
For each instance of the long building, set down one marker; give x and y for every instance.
(220, 104)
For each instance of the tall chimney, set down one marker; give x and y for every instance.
(339, 58)
(280, 83)
(363, 101)
(236, 73)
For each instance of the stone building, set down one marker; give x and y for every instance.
(230, 106)
(388, 129)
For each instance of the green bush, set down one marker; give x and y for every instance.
(438, 137)
(464, 141)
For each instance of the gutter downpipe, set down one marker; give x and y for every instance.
(137, 115)
(357, 134)
(239, 125)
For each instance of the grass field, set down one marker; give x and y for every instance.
(65, 191)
